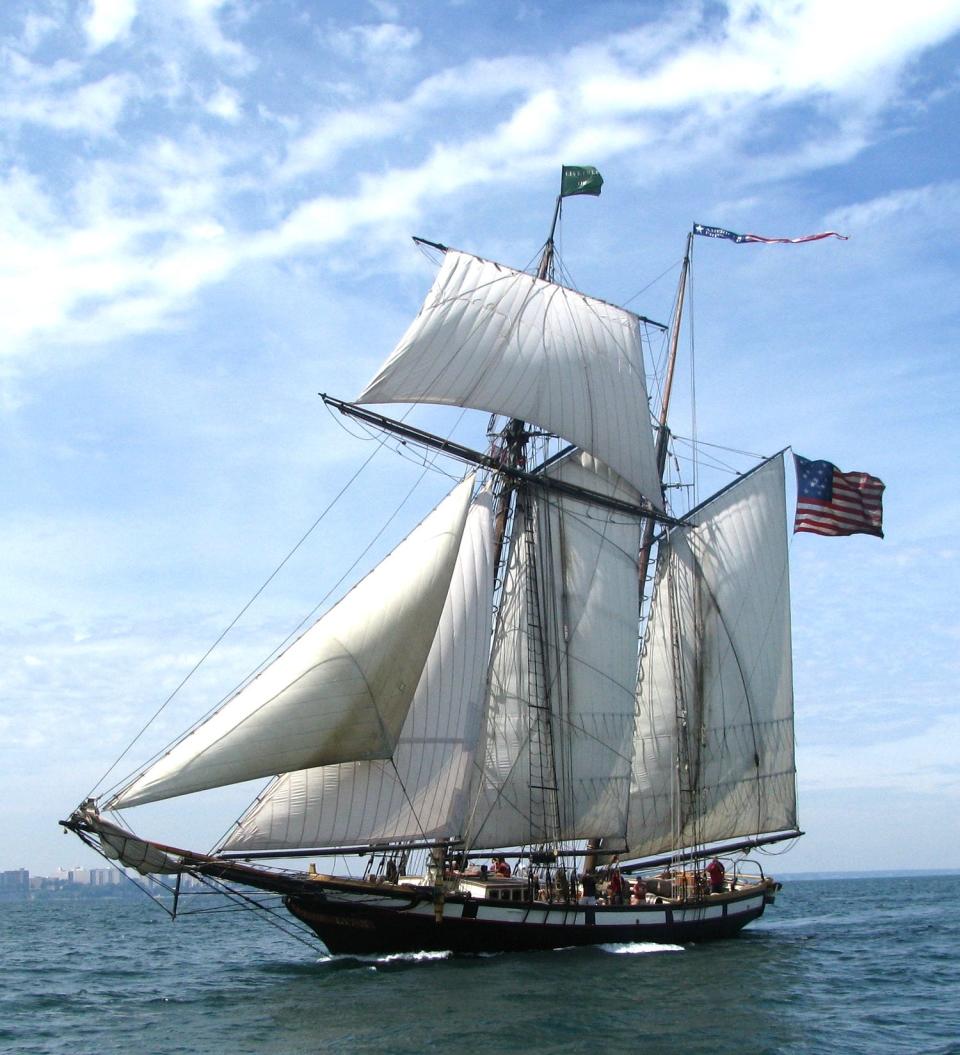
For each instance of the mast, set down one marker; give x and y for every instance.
(514, 435)
(663, 435)
(543, 780)
(688, 780)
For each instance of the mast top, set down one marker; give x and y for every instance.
(574, 179)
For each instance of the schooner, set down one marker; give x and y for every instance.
(503, 687)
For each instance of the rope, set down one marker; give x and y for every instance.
(235, 620)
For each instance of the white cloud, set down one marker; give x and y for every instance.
(225, 103)
(93, 108)
(386, 9)
(337, 133)
(216, 146)
(128, 250)
(36, 28)
(387, 38)
(129, 255)
(374, 42)
(933, 203)
(108, 21)
(200, 19)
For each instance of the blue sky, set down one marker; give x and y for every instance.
(205, 218)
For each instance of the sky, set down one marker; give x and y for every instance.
(205, 217)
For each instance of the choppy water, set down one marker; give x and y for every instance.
(842, 965)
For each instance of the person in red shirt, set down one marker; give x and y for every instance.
(715, 872)
(615, 887)
(501, 867)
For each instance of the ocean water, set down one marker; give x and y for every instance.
(860, 965)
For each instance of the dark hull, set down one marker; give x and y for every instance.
(416, 925)
(355, 917)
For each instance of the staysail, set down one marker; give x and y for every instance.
(420, 793)
(716, 695)
(496, 339)
(341, 692)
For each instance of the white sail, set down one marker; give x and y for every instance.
(718, 649)
(566, 639)
(496, 339)
(421, 792)
(499, 808)
(341, 691)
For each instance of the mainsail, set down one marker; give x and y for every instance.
(716, 695)
(341, 692)
(563, 671)
(495, 339)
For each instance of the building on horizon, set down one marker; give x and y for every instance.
(15, 883)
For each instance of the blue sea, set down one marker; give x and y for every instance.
(853, 964)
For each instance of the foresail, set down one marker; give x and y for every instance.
(496, 339)
(421, 792)
(341, 691)
(597, 595)
(718, 650)
(572, 593)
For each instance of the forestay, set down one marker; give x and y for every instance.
(495, 339)
(341, 691)
(722, 605)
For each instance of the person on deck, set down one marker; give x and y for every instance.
(588, 889)
(501, 867)
(615, 887)
(715, 873)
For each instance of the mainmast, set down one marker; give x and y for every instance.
(663, 437)
(545, 824)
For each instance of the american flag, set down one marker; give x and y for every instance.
(830, 502)
(722, 232)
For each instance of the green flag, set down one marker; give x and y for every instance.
(580, 179)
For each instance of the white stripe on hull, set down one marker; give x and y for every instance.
(557, 915)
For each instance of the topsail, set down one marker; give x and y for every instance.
(496, 339)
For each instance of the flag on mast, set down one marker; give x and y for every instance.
(722, 232)
(831, 502)
(579, 179)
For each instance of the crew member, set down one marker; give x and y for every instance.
(715, 872)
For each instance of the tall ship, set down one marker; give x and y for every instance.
(560, 712)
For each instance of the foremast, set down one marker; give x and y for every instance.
(515, 505)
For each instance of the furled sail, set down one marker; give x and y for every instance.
(716, 695)
(566, 640)
(421, 792)
(341, 691)
(496, 339)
